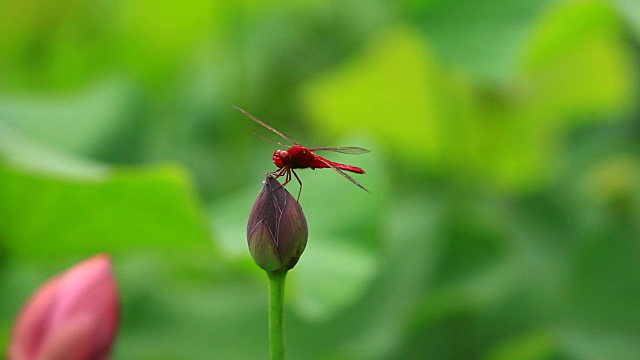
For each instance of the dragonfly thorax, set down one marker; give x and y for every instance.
(296, 157)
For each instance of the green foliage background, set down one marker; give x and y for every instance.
(505, 172)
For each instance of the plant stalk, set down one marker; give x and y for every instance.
(276, 314)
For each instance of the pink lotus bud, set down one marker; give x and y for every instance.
(73, 316)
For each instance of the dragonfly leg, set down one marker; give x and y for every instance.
(287, 178)
(279, 172)
(299, 182)
(283, 171)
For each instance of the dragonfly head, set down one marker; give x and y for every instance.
(280, 158)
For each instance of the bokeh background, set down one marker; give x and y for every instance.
(504, 217)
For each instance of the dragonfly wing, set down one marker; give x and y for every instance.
(343, 173)
(351, 150)
(269, 140)
(286, 137)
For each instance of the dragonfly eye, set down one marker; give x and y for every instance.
(280, 158)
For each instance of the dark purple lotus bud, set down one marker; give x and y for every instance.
(277, 231)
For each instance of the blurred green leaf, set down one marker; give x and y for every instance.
(432, 117)
(158, 37)
(577, 65)
(536, 345)
(393, 74)
(630, 10)
(485, 38)
(124, 209)
(588, 343)
(27, 154)
(79, 123)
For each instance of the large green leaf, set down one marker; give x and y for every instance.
(69, 208)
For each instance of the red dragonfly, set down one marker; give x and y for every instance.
(300, 157)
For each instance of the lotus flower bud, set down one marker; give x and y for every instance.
(72, 316)
(277, 230)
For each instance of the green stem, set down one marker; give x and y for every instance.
(276, 314)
